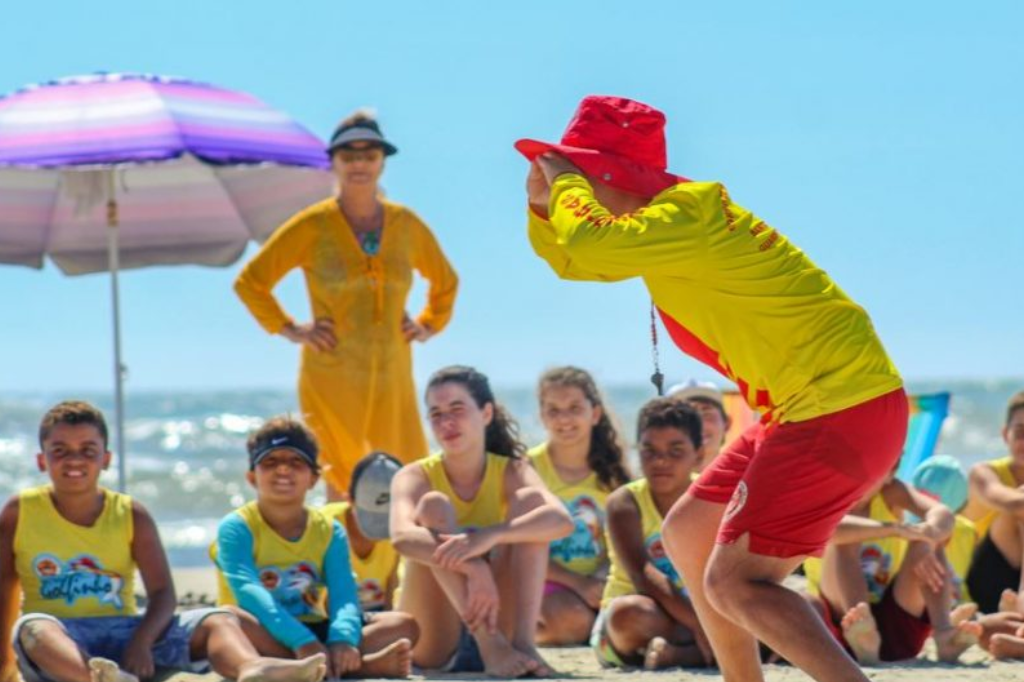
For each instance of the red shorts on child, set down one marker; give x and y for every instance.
(788, 485)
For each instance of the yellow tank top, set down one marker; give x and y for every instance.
(489, 507)
(1002, 468)
(374, 571)
(72, 571)
(292, 571)
(879, 559)
(619, 583)
(959, 553)
(584, 551)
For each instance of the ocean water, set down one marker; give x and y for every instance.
(186, 451)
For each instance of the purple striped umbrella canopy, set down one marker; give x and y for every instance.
(117, 171)
(196, 171)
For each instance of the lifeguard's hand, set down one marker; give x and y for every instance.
(553, 165)
(538, 191)
(414, 331)
(317, 335)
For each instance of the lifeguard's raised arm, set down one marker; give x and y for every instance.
(287, 249)
(430, 261)
(668, 236)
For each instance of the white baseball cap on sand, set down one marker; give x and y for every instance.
(371, 493)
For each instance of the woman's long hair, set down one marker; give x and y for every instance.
(502, 434)
(607, 451)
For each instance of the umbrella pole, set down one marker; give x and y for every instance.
(115, 301)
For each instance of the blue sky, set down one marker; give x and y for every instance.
(884, 138)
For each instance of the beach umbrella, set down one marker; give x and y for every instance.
(116, 171)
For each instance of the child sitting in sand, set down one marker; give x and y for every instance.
(72, 547)
(710, 404)
(474, 523)
(885, 586)
(581, 463)
(285, 568)
(996, 506)
(1002, 633)
(646, 617)
(365, 519)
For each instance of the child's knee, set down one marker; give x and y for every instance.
(435, 511)
(34, 632)
(628, 614)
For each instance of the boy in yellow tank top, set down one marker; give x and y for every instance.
(996, 505)
(365, 520)
(884, 585)
(473, 523)
(646, 616)
(284, 568)
(72, 549)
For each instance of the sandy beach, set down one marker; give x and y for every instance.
(578, 663)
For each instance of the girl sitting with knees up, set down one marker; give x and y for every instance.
(474, 522)
(581, 463)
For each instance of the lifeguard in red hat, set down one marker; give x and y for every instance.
(736, 294)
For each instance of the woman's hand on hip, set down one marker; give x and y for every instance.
(318, 335)
(414, 331)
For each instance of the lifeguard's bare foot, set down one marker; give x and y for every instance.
(309, 669)
(955, 640)
(394, 660)
(105, 670)
(861, 633)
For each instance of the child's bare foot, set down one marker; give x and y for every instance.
(1010, 600)
(310, 669)
(394, 660)
(105, 670)
(662, 654)
(543, 669)
(963, 613)
(1005, 646)
(955, 640)
(501, 659)
(861, 633)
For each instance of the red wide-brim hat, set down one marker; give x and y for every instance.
(616, 140)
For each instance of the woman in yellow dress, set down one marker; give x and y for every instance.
(357, 252)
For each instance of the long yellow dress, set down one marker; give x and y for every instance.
(360, 396)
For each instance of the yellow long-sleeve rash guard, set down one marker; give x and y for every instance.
(732, 291)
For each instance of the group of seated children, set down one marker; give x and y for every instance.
(937, 558)
(467, 560)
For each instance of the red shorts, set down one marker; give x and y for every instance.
(788, 485)
(903, 634)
